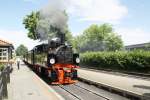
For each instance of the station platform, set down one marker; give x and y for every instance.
(134, 86)
(26, 85)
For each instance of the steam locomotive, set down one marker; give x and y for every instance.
(56, 60)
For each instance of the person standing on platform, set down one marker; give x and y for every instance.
(18, 63)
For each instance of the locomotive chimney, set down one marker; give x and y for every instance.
(62, 38)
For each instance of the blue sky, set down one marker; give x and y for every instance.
(138, 14)
(130, 18)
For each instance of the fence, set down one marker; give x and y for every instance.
(4, 79)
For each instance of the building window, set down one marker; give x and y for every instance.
(3, 53)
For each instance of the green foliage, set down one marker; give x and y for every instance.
(76, 42)
(40, 57)
(2, 66)
(136, 61)
(99, 33)
(99, 38)
(114, 42)
(21, 50)
(69, 37)
(30, 22)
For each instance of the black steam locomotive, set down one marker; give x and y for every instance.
(55, 60)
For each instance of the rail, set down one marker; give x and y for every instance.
(4, 80)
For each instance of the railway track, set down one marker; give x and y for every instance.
(92, 92)
(70, 93)
(92, 95)
(83, 91)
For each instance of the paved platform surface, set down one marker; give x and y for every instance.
(26, 85)
(137, 86)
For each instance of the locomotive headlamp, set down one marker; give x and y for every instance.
(52, 60)
(77, 60)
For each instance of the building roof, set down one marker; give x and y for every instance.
(138, 45)
(5, 43)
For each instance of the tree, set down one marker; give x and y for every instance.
(77, 42)
(99, 38)
(30, 22)
(69, 37)
(114, 42)
(21, 50)
(95, 32)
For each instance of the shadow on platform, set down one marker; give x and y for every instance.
(146, 96)
(142, 86)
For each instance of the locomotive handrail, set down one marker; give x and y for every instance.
(4, 79)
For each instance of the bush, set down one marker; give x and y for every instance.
(2, 66)
(134, 61)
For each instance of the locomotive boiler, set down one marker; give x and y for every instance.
(56, 60)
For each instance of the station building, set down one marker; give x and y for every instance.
(142, 46)
(6, 51)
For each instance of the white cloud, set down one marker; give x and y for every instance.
(97, 10)
(17, 38)
(92, 10)
(133, 36)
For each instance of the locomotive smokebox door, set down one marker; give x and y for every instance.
(51, 59)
